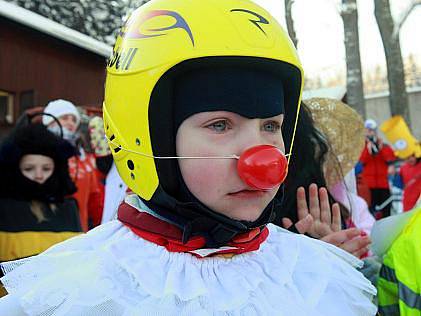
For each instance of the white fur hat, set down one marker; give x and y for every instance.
(58, 108)
(370, 124)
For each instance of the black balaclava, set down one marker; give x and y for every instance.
(237, 87)
(247, 92)
(35, 139)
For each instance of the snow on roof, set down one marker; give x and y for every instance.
(47, 26)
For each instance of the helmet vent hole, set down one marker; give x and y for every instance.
(137, 141)
(117, 149)
(112, 137)
(132, 176)
(130, 164)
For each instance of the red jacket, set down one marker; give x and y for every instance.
(375, 167)
(89, 196)
(411, 178)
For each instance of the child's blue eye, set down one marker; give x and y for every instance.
(219, 126)
(271, 127)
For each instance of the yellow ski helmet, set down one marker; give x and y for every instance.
(164, 36)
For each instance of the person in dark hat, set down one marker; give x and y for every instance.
(35, 212)
(310, 187)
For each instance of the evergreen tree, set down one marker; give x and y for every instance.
(100, 19)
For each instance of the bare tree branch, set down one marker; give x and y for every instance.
(354, 80)
(347, 8)
(403, 16)
(290, 21)
(398, 97)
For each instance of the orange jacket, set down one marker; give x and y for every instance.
(88, 195)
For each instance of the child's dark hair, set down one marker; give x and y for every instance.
(306, 166)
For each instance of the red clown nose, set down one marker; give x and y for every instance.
(262, 167)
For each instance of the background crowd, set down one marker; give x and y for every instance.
(59, 179)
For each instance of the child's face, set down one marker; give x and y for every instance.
(215, 182)
(37, 168)
(68, 121)
(370, 132)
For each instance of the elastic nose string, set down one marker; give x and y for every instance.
(172, 157)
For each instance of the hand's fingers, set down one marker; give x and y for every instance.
(337, 238)
(325, 214)
(286, 223)
(301, 226)
(360, 252)
(336, 218)
(302, 209)
(304, 224)
(356, 244)
(314, 201)
(351, 246)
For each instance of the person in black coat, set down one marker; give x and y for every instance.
(35, 210)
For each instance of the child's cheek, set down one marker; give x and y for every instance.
(204, 176)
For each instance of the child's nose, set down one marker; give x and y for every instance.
(262, 167)
(250, 139)
(39, 174)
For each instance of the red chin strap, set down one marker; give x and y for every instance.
(263, 167)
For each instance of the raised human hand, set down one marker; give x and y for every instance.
(326, 220)
(300, 227)
(351, 240)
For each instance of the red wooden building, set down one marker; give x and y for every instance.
(41, 60)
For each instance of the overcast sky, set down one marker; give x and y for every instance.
(320, 33)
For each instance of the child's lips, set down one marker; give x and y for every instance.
(248, 194)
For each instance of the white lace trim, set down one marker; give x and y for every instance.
(111, 271)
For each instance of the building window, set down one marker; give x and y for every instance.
(6, 107)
